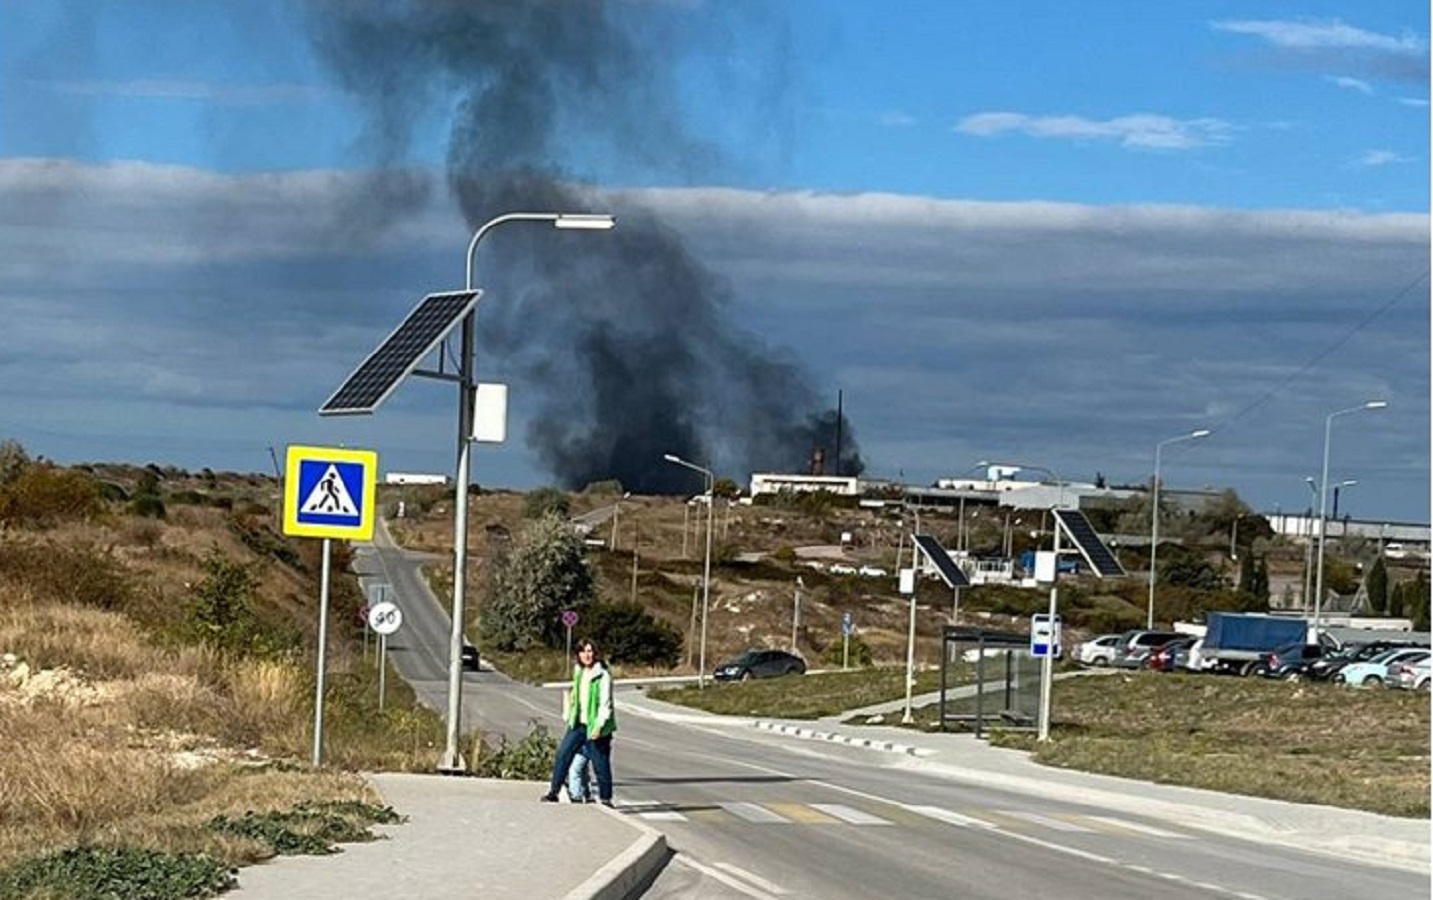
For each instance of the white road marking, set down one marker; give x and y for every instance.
(1137, 826)
(752, 878)
(1035, 818)
(724, 878)
(849, 814)
(949, 817)
(753, 813)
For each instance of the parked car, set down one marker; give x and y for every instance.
(1166, 658)
(470, 658)
(1136, 644)
(1097, 651)
(873, 571)
(1325, 667)
(1374, 672)
(1287, 661)
(842, 569)
(760, 664)
(1411, 676)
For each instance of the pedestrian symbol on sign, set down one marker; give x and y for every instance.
(330, 495)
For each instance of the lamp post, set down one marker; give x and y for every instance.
(1323, 502)
(452, 761)
(1154, 515)
(706, 563)
(1342, 484)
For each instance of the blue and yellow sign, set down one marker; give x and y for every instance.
(330, 493)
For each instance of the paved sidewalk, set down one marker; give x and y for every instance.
(472, 838)
(1347, 834)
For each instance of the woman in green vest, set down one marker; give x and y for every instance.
(591, 721)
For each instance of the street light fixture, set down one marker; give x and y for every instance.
(1154, 514)
(1323, 501)
(706, 562)
(452, 761)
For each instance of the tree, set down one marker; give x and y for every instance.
(220, 610)
(544, 500)
(725, 487)
(1416, 601)
(627, 633)
(1397, 598)
(541, 574)
(1377, 585)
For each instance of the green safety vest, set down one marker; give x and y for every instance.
(593, 701)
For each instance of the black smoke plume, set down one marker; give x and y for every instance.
(625, 334)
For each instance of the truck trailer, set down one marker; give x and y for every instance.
(1233, 642)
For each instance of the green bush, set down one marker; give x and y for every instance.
(530, 759)
(148, 506)
(859, 656)
(106, 873)
(79, 574)
(309, 829)
(44, 495)
(627, 633)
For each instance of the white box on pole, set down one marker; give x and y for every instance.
(490, 413)
(1045, 566)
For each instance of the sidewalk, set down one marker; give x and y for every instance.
(1347, 834)
(472, 837)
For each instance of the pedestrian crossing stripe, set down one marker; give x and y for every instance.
(835, 814)
(330, 493)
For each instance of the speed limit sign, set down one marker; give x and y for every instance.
(385, 618)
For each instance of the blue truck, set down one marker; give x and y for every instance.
(1233, 642)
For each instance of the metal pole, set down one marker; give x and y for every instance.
(1047, 665)
(1323, 504)
(796, 614)
(322, 653)
(452, 761)
(382, 670)
(911, 640)
(1153, 537)
(706, 584)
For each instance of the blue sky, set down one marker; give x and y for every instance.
(1045, 232)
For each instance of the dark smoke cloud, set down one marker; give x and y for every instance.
(626, 334)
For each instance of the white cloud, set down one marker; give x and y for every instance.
(1382, 158)
(1352, 84)
(1140, 131)
(1419, 102)
(1313, 34)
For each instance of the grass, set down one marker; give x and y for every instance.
(1305, 743)
(810, 696)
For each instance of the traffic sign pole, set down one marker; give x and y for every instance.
(322, 654)
(382, 670)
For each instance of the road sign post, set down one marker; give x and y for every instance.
(328, 493)
(847, 626)
(569, 619)
(384, 618)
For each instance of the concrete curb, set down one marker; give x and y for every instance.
(831, 736)
(633, 867)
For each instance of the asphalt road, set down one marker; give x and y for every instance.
(757, 815)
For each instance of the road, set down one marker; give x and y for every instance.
(760, 815)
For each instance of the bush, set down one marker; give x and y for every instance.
(43, 495)
(100, 873)
(858, 655)
(545, 501)
(627, 633)
(68, 574)
(530, 759)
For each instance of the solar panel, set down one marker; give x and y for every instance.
(950, 573)
(1079, 529)
(414, 338)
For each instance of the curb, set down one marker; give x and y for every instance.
(627, 871)
(813, 734)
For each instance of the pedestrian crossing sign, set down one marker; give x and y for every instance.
(330, 493)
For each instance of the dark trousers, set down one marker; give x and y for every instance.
(599, 750)
(567, 748)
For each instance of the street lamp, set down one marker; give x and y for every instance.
(1154, 514)
(452, 761)
(706, 563)
(1323, 502)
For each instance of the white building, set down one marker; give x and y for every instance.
(413, 478)
(772, 483)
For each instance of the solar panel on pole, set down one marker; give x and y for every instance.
(414, 338)
(950, 573)
(1082, 533)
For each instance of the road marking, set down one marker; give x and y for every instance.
(949, 817)
(849, 814)
(752, 878)
(801, 812)
(724, 878)
(1138, 827)
(751, 812)
(1035, 818)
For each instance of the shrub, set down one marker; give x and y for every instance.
(96, 873)
(858, 655)
(78, 574)
(43, 496)
(627, 633)
(545, 501)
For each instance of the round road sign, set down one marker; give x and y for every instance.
(385, 618)
(569, 617)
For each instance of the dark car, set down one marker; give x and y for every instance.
(1170, 656)
(1137, 644)
(1288, 661)
(470, 658)
(760, 664)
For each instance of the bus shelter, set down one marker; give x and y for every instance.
(1005, 686)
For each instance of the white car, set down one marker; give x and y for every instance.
(873, 572)
(842, 569)
(1374, 672)
(1097, 651)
